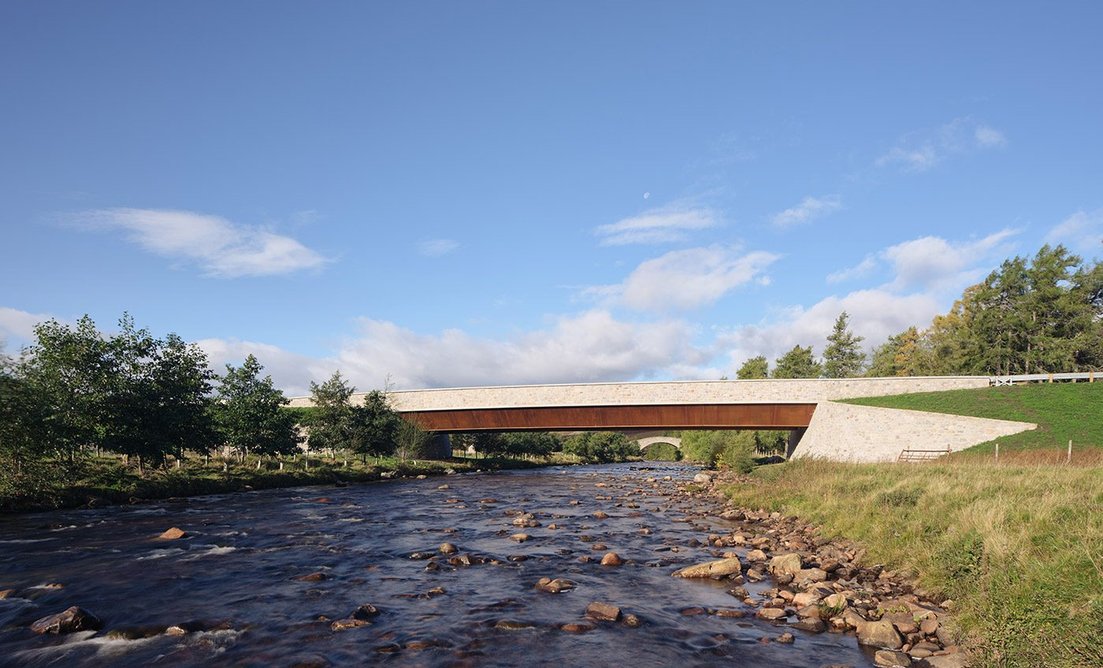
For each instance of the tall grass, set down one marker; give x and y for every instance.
(1019, 549)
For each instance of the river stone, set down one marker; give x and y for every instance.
(891, 659)
(346, 624)
(173, 534)
(577, 627)
(6, 593)
(601, 515)
(447, 548)
(771, 614)
(554, 586)
(730, 613)
(702, 478)
(519, 537)
(611, 559)
(879, 634)
(811, 624)
(810, 575)
(835, 602)
(70, 620)
(805, 599)
(632, 621)
(785, 638)
(711, 569)
(603, 612)
(946, 661)
(756, 555)
(513, 625)
(785, 564)
(367, 611)
(929, 626)
(175, 630)
(312, 577)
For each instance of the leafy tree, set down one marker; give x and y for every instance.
(158, 396)
(843, 358)
(601, 446)
(754, 368)
(412, 441)
(734, 449)
(249, 412)
(374, 426)
(26, 465)
(530, 444)
(797, 363)
(332, 423)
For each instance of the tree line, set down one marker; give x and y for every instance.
(1038, 315)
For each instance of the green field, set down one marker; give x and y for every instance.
(1062, 411)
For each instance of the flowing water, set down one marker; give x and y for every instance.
(233, 582)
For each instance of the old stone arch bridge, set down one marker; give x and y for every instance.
(819, 425)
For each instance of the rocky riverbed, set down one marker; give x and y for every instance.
(572, 566)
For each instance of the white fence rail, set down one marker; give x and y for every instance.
(1088, 376)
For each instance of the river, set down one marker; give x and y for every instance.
(235, 586)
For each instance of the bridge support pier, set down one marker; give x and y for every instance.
(440, 447)
(794, 440)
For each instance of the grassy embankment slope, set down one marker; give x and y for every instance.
(1017, 545)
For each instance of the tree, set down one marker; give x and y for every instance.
(797, 363)
(374, 426)
(754, 368)
(900, 355)
(249, 412)
(332, 423)
(734, 449)
(26, 465)
(595, 447)
(411, 440)
(843, 358)
(157, 398)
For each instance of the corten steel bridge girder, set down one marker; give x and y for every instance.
(615, 417)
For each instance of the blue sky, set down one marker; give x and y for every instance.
(450, 194)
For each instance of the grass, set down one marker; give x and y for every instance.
(1062, 411)
(105, 480)
(1019, 549)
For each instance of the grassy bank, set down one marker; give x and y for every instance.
(1062, 411)
(1019, 549)
(105, 480)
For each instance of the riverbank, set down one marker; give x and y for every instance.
(106, 481)
(1017, 549)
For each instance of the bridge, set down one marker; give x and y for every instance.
(809, 409)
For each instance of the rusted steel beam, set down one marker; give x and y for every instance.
(566, 418)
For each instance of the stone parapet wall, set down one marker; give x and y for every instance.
(685, 392)
(844, 432)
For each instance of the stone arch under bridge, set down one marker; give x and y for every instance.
(645, 443)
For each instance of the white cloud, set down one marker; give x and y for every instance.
(437, 247)
(934, 263)
(219, 247)
(687, 279)
(290, 372)
(921, 150)
(1082, 232)
(874, 314)
(588, 347)
(17, 328)
(987, 137)
(809, 209)
(860, 270)
(656, 226)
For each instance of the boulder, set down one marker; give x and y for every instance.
(945, 661)
(173, 534)
(879, 634)
(554, 586)
(366, 611)
(70, 620)
(756, 555)
(811, 624)
(711, 569)
(785, 564)
(891, 659)
(603, 612)
(447, 548)
(611, 559)
(702, 478)
(771, 614)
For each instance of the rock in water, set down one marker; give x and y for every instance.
(72, 619)
(173, 534)
(784, 564)
(711, 569)
(611, 559)
(891, 659)
(879, 634)
(366, 611)
(604, 612)
(702, 478)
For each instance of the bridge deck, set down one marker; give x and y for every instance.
(682, 416)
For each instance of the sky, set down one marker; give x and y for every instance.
(441, 194)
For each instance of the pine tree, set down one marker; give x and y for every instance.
(843, 358)
(755, 367)
(797, 363)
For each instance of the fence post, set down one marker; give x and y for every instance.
(1068, 458)
(997, 452)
